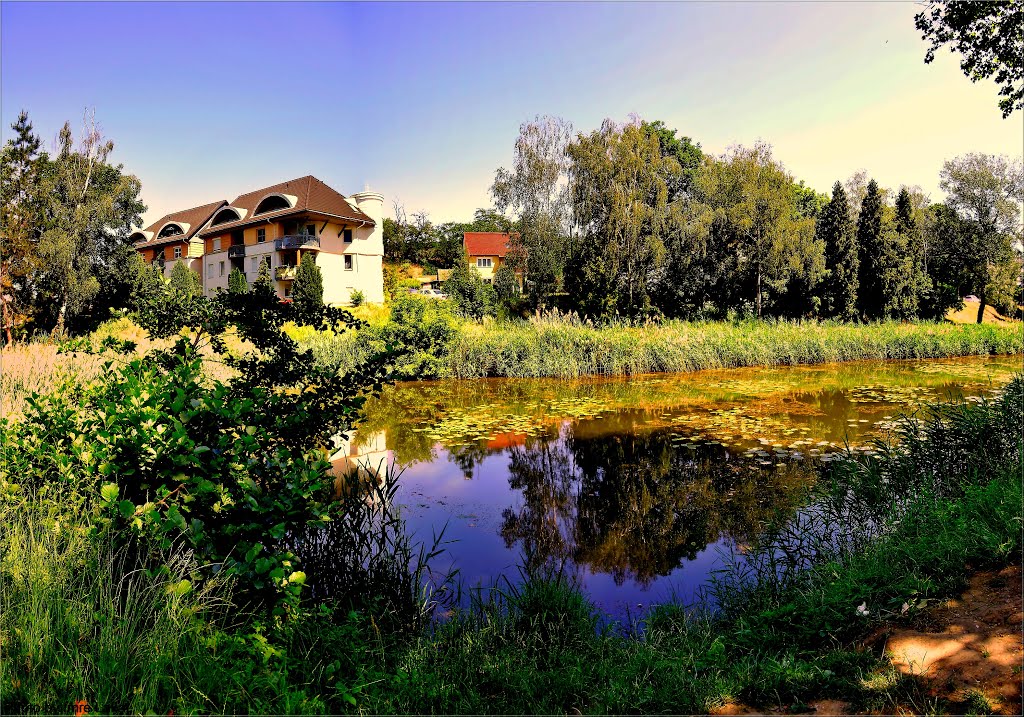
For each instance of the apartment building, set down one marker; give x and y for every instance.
(277, 225)
(174, 237)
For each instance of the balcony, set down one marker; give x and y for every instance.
(236, 252)
(285, 273)
(297, 241)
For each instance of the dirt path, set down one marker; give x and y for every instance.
(970, 646)
(966, 655)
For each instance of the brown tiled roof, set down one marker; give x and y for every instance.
(195, 218)
(311, 195)
(486, 243)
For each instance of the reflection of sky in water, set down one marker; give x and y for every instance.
(621, 495)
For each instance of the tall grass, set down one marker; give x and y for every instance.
(557, 346)
(82, 621)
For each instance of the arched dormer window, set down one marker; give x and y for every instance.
(225, 215)
(272, 204)
(170, 229)
(138, 237)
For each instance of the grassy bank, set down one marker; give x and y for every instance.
(442, 345)
(558, 347)
(887, 535)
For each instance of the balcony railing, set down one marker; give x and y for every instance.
(236, 252)
(297, 241)
(285, 273)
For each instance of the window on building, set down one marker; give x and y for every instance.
(483, 263)
(209, 270)
(311, 230)
(346, 236)
(177, 252)
(216, 244)
(254, 264)
(261, 235)
(222, 269)
(271, 204)
(348, 262)
(225, 215)
(487, 281)
(169, 230)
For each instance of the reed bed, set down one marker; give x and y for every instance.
(561, 347)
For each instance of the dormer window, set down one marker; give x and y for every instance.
(272, 203)
(169, 230)
(225, 215)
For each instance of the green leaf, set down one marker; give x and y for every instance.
(126, 508)
(109, 492)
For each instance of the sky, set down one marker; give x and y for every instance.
(422, 101)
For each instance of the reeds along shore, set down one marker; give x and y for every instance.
(562, 348)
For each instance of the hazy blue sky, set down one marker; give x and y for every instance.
(423, 101)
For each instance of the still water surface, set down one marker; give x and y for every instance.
(636, 486)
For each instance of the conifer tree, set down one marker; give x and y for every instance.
(20, 219)
(308, 289)
(869, 242)
(237, 283)
(185, 281)
(263, 276)
(835, 229)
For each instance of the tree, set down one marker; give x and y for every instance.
(747, 204)
(986, 191)
(184, 280)
(308, 288)
(20, 222)
(869, 244)
(464, 286)
(619, 190)
(89, 208)
(683, 150)
(535, 190)
(263, 275)
(237, 283)
(506, 286)
(836, 231)
(989, 36)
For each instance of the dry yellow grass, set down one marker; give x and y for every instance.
(969, 315)
(40, 368)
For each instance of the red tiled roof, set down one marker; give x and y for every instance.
(195, 217)
(311, 195)
(486, 244)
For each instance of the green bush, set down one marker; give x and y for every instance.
(357, 298)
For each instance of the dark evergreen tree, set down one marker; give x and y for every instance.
(308, 289)
(869, 244)
(237, 283)
(20, 223)
(842, 261)
(263, 275)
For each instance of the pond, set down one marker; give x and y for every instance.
(635, 486)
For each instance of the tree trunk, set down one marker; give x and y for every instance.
(759, 292)
(981, 308)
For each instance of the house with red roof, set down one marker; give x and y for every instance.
(486, 252)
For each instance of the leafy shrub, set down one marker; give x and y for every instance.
(166, 456)
(356, 298)
(420, 330)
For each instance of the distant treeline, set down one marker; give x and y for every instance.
(632, 220)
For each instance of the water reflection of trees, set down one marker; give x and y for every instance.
(634, 506)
